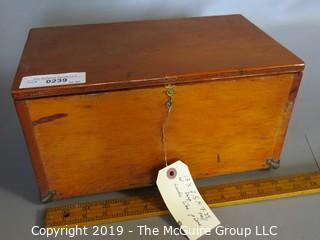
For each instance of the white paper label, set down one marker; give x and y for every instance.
(184, 202)
(53, 80)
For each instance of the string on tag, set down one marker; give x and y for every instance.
(169, 105)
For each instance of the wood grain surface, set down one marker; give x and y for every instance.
(148, 53)
(110, 141)
(234, 86)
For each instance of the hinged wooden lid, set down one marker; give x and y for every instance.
(149, 53)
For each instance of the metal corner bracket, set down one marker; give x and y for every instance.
(48, 197)
(273, 164)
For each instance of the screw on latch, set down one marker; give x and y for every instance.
(274, 164)
(170, 91)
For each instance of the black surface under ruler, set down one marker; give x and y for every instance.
(146, 205)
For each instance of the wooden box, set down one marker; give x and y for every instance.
(234, 90)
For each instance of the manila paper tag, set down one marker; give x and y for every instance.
(184, 202)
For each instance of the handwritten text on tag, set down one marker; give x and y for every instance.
(184, 202)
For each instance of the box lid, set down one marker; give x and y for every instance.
(149, 53)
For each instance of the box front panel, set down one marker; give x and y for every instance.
(109, 141)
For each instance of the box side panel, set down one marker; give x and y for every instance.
(286, 116)
(32, 144)
(110, 141)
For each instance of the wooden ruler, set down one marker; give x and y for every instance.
(151, 204)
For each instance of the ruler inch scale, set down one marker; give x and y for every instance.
(151, 204)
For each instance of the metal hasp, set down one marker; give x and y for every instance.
(169, 93)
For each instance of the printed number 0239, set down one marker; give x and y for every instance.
(57, 80)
